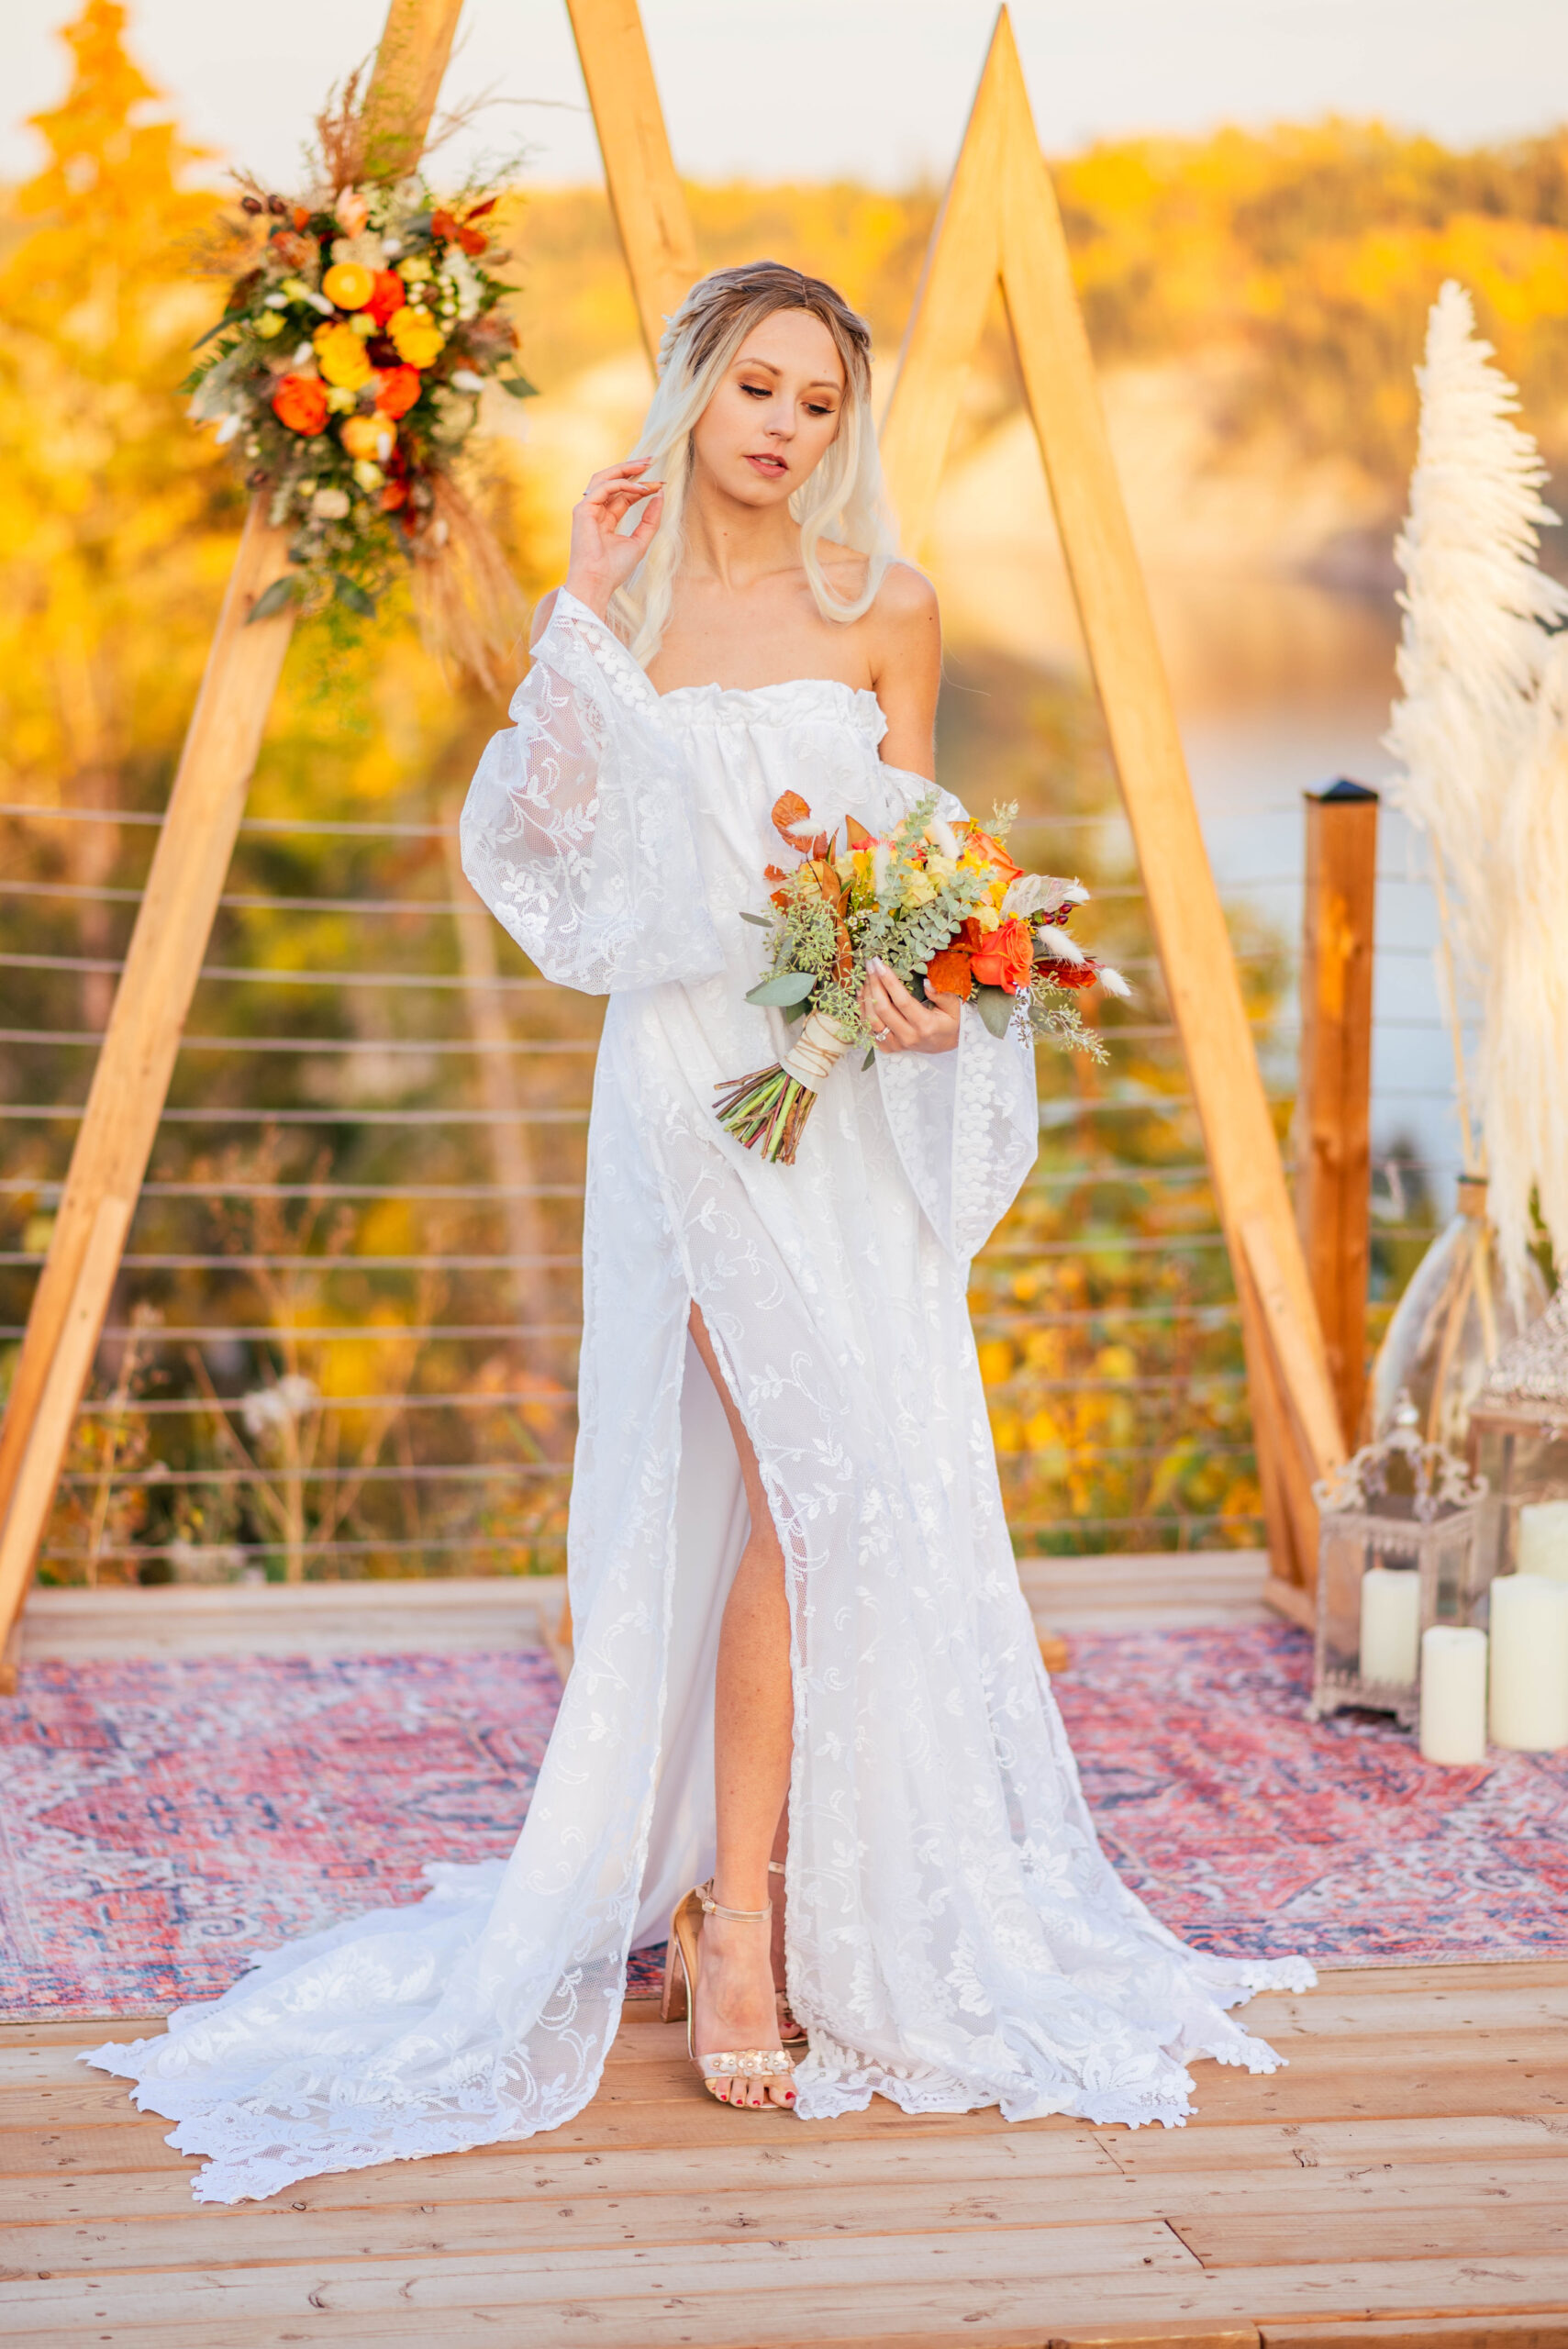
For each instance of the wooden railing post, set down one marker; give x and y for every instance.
(131, 1083)
(1333, 1117)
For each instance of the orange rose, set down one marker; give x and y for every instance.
(300, 401)
(396, 391)
(389, 295)
(1006, 959)
(997, 857)
(951, 972)
(348, 284)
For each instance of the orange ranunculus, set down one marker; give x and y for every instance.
(300, 401)
(348, 284)
(472, 240)
(416, 336)
(442, 222)
(395, 495)
(997, 856)
(396, 391)
(390, 294)
(1006, 959)
(369, 436)
(951, 972)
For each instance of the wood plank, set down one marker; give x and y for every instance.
(511, 2173)
(768, 2295)
(1241, 2237)
(1451, 2207)
(1207, 2145)
(1333, 1116)
(536, 2280)
(1421, 2333)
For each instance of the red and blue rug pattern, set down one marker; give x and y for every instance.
(161, 1822)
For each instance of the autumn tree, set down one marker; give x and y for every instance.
(117, 526)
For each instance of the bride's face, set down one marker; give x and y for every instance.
(775, 413)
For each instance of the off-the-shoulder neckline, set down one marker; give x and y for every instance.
(707, 696)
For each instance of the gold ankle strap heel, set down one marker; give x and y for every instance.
(680, 1995)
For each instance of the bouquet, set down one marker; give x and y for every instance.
(346, 371)
(945, 908)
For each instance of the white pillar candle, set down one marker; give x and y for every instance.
(1543, 1539)
(1529, 1677)
(1453, 1694)
(1391, 1619)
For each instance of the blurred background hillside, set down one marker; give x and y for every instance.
(343, 1340)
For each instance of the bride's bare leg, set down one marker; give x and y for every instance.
(753, 1726)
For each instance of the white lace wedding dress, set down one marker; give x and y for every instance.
(956, 1937)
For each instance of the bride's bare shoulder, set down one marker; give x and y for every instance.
(541, 621)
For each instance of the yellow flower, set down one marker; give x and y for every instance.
(920, 889)
(348, 284)
(415, 336)
(340, 355)
(986, 917)
(369, 436)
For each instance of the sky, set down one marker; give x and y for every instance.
(875, 90)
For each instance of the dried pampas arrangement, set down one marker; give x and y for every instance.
(1481, 735)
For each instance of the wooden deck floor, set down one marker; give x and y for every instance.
(1404, 2183)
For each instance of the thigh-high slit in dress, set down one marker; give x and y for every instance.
(955, 1936)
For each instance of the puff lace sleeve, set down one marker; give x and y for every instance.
(577, 827)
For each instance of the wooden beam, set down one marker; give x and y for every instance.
(411, 60)
(173, 922)
(1333, 1113)
(1058, 374)
(645, 194)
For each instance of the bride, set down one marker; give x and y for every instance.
(804, 1665)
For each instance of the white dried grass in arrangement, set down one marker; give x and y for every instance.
(469, 607)
(1476, 611)
(1472, 721)
(1523, 1066)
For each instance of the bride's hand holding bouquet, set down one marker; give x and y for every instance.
(882, 942)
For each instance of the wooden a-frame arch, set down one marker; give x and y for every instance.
(999, 222)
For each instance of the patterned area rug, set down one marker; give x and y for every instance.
(158, 1821)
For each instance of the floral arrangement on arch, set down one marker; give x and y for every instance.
(346, 374)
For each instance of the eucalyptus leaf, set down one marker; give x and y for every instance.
(519, 387)
(349, 591)
(869, 1060)
(758, 921)
(274, 600)
(793, 1011)
(784, 986)
(996, 1006)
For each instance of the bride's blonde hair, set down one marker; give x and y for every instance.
(842, 500)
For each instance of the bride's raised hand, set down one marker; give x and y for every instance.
(601, 559)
